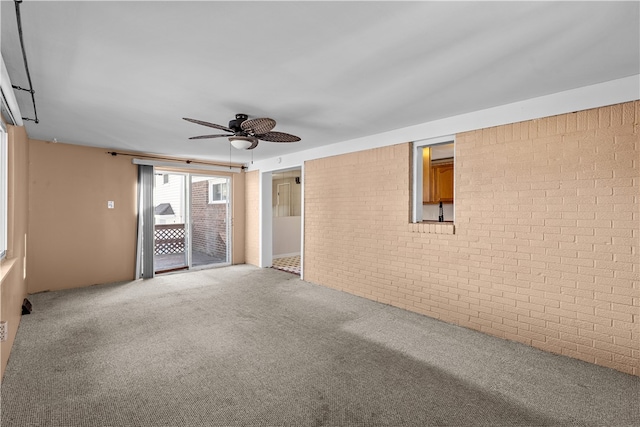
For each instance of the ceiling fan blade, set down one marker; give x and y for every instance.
(258, 126)
(278, 137)
(219, 135)
(211, 125)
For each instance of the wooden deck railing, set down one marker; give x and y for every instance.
(170, 239)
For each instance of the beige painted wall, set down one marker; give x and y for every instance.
(74, 240)
(252, 222)
(238, 218)
(12, 269)
(546, 244)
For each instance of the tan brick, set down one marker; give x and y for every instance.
(625, 308)
(576, 339)
(544, 246)
(613, 331)
(613, 348)
(623, 360)
(579, 355)
(615, 365)
(614, 298)
(561, 344)
(597, 353)
(632, 344)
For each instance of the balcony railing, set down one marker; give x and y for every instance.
(170, 239)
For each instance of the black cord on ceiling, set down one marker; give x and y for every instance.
(26, 65)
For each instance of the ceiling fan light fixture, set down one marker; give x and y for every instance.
(244, 133)
(243, 142)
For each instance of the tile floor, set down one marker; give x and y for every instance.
(290, 264)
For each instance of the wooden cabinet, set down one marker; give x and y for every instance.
(438, 182)
(442, 182)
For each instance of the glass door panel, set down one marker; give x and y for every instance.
(210, 220)
(170, 228)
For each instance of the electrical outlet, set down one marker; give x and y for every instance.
(4, 330)
(111, 204)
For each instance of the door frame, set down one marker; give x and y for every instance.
(184, 208)
(229, 229)
(188, 221)
(266, 217)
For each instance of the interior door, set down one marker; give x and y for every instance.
(283, 199)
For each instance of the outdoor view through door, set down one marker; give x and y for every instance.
(191, 214)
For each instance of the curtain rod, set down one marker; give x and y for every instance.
(148, 162)
(177, 162)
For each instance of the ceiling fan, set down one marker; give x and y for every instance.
(244, 132)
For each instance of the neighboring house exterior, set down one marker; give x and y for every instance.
(209, 219)
(169, 190)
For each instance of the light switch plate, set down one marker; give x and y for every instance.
(111, 204)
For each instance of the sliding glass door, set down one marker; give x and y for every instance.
(210, 214)
(191, 221)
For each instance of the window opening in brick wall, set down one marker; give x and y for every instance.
(433, 178)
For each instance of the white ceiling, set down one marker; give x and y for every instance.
(121, 75)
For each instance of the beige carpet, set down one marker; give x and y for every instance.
(243, 346)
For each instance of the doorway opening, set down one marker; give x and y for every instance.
(287, 220)
(191, 221)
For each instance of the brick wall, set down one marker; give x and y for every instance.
(546, 243)
(209, 224)
(252, 218)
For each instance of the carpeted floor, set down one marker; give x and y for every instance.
(242, 346)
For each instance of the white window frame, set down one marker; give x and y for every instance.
(418, 146)
(224, 184)
(4, 190)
